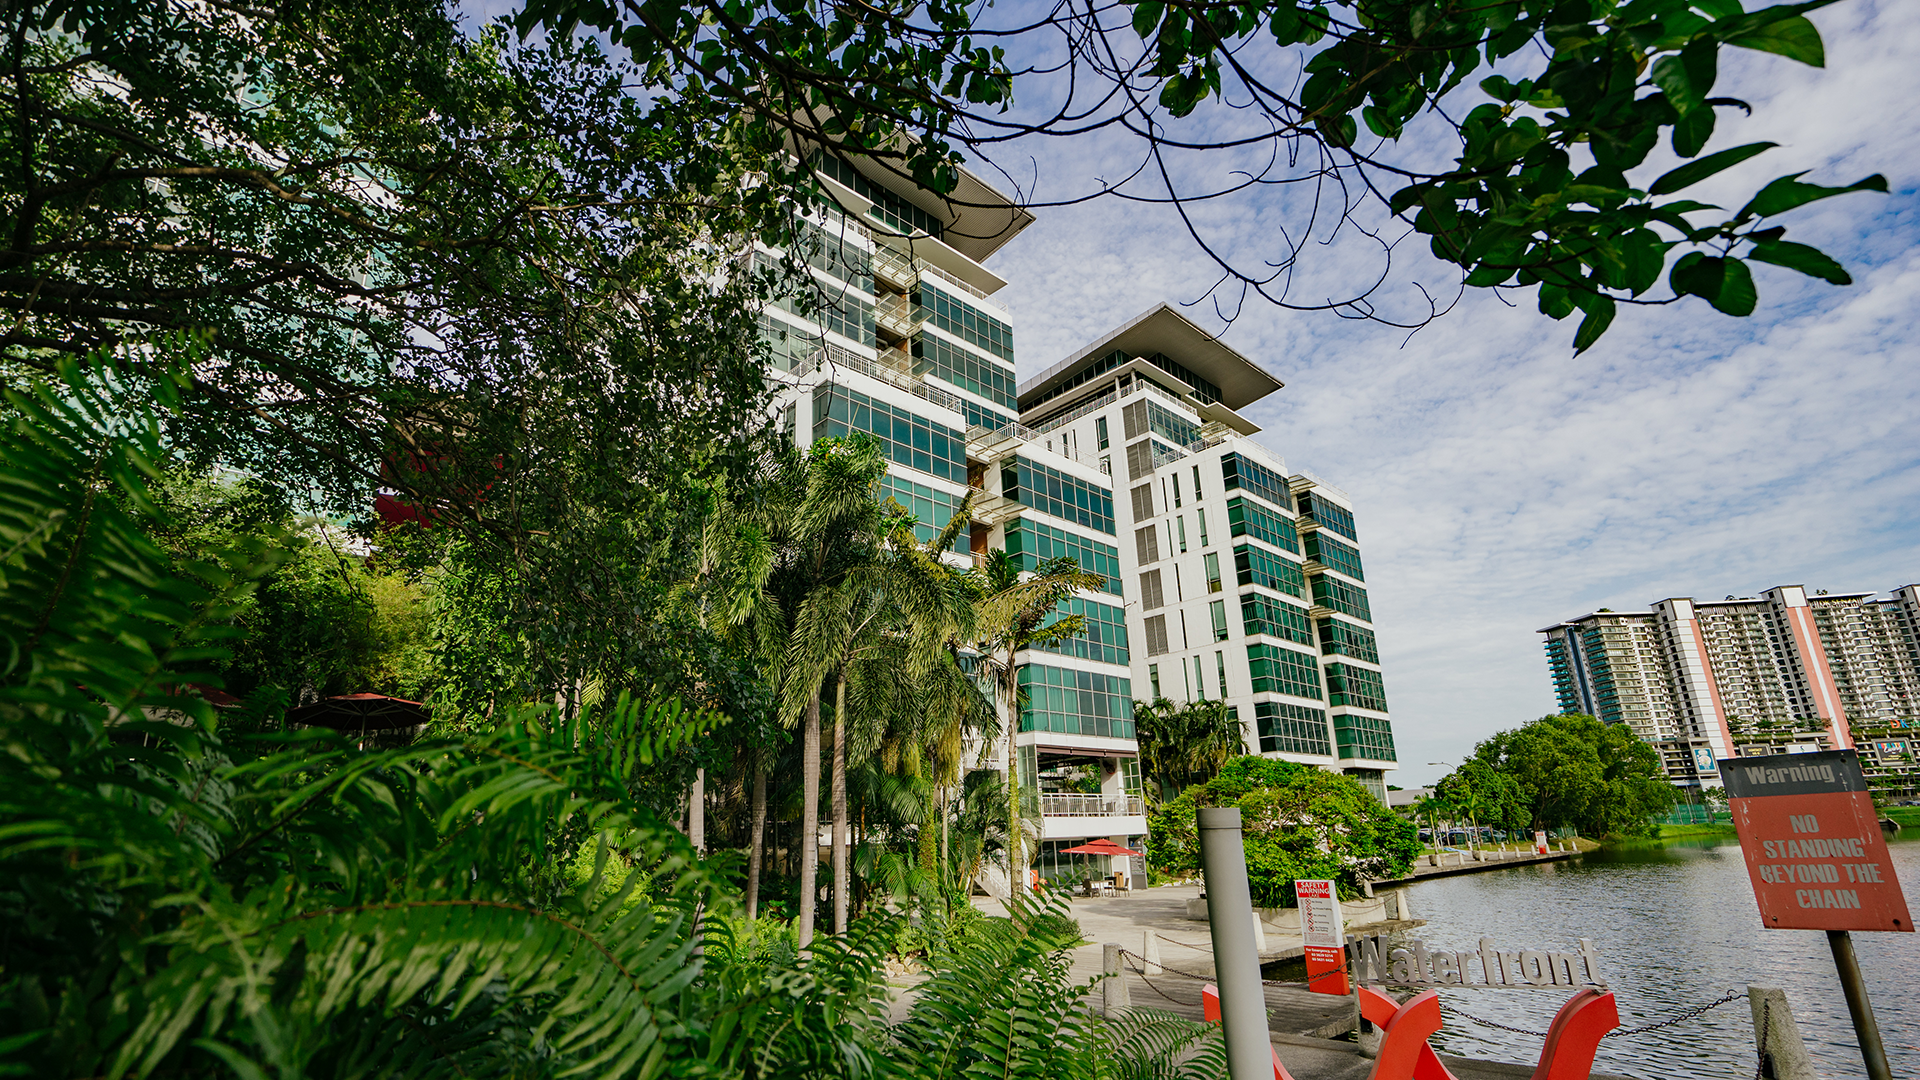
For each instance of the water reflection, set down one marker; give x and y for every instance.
(1677, 926)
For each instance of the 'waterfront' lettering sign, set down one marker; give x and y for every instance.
(1382, 964)
(1812, 843)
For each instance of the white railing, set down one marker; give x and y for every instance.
(1164, 454)
(1095, 405)
(898, 314)
(949, 280)
(1075, 805)
(1138, 384)
(1016, 432)
(1319, 483)
(835, 356)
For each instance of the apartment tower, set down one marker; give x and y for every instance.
(1782, 672)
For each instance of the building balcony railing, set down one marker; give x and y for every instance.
(1141, 385)
(1065, 418)
(1076, 805)
(988, 445)
(896, 268)
(836, 356)
(898, 315)
(1330, 488)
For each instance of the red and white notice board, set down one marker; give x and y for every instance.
(1323, 933)
(1812, 842)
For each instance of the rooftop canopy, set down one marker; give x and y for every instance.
(1199, 357)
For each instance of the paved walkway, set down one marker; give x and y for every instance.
(1302, 1025)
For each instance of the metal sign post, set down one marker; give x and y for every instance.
(1817, 861)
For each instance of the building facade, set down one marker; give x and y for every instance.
(1781, 672)
(1225, 577)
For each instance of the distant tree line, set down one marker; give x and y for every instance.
(1563, 771)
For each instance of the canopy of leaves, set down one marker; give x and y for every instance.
(1573, 770)
(1185, 744)
(1547, 190)
(1297, 822)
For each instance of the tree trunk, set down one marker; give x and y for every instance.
(842, 880)
(756, 839)
(808, 844)
(945, 890)
(1016, 861)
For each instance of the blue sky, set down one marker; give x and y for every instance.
(1504, 484)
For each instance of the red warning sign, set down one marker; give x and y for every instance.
(1812, 843)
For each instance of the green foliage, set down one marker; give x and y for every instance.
(1297, 822)
(1183, 745)
(1572, 770)
(1546, 193)
(1477, 792)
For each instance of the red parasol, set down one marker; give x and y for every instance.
(1101, 846)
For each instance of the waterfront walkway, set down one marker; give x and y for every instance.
(1304, 1026)
(1449, 863)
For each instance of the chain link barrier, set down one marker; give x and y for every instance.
(1671, 1021)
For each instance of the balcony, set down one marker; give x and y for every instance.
(993, 509)
(898, 316)
(890, 372)
(1077, 805)
(895, 268)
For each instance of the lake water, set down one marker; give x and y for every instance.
(1677, 926)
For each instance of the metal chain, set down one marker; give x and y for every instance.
(1677, 1018)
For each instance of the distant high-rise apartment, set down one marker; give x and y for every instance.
(1782, 672)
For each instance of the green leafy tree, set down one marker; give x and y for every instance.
(1012, 608)
(1186, 744)
(1297, 822)
(1549, 190)
(1573, 770)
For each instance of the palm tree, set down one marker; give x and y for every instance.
(1185, 744)
(880, 626)
(1011, 608)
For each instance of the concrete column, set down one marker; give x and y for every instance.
(1406, 906)
(1777, 1037)
(1150, 952)
(1115, 984)
(697, 812)
(1243, 1006)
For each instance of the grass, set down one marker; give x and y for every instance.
(1907, 816)
(1718, 828)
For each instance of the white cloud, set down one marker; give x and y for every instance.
(1504, 484)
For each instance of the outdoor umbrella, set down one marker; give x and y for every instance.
(1100, 846)
(360, 712)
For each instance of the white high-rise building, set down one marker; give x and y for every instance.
(1226, 577)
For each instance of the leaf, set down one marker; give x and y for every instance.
(1695, 171)
(1600, 311)
(1725, 283)
(1795, 38)
(1691, 132)
(1787, 192)
(1810, 261)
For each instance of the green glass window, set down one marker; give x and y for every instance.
(888, 209)
(1034, 542)
(1267, 570)
(1076, 702)
(931, 509)
(1339, 638)
(1291, 729)
(1238, 471)
(1200, 515)
(1220, 665)
(1212, 561)
(907, 439)
(1366, 737)
(1053, 492)
(833, 307)
(1100, 428)
(1275, 618)
(1171, 426)
(1180, 528)
(1247, 518)
(839, 257)
(1219, 610)
(1105, 638)
(1330, 515)
(943, 359)
(1346, 599)
(1153, 677)
(1356, 686)
(1334, 555)
(1283, 671)
(966, 322)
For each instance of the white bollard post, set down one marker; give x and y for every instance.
(1783, 1051)
(1150, 952)
(1236, 962)
(1115, 984)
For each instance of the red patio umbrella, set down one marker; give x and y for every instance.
(1100, 846)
